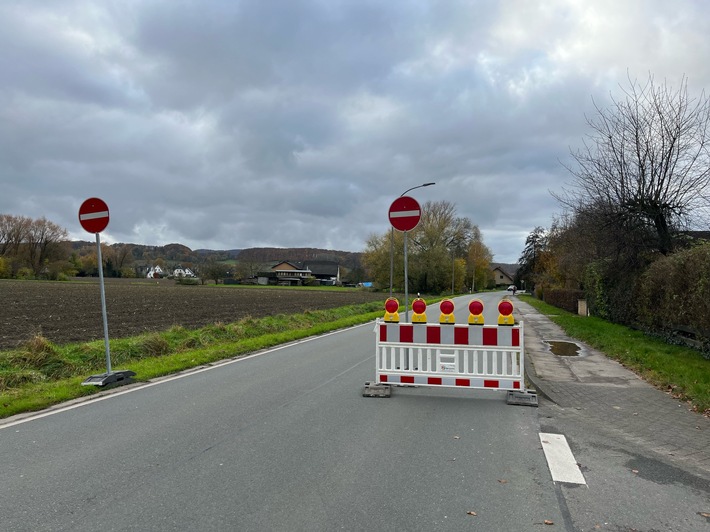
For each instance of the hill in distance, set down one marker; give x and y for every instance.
(181, 253)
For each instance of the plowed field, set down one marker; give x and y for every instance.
(65, 312)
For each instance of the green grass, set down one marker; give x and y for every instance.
(40, 374)
(680, 370)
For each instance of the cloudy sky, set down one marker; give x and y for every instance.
(295, 123)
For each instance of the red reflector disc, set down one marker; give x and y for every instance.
(475, 307)
(505, 307)
(392, 305)
(419, 306)
(446, 306)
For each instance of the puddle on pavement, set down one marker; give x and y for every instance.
(563, 349)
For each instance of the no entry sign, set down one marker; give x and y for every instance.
(404, 213)
(93, 215)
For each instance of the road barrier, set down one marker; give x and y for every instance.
(473, 356)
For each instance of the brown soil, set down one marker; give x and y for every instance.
(65, 312)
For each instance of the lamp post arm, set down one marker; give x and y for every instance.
(418, 186)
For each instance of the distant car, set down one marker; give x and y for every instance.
(512, 288)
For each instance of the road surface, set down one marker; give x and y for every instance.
(284, 440)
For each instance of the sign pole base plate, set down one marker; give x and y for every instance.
(118, 378)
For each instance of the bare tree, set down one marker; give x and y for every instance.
(213, 269)
(248, 269)
(43, 243)
(123, 254)
(646, 163)
(13, 232)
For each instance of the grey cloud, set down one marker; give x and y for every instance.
(229, 124)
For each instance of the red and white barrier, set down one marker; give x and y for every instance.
(468, 356)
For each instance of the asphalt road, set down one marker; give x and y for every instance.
(284, 440)
(280, 441)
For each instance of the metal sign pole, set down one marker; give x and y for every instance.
(406, 298)
(391, 258)
(103, 303)
(406, 282)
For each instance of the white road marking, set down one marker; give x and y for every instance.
(560, 459)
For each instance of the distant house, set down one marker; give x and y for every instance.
(155, 272)
(288, 273)
(503, 274)
(181, 272)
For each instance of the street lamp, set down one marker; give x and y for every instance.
(451, 242)
(392, 238)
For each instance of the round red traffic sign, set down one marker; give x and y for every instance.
(93, 215)
(404, 213)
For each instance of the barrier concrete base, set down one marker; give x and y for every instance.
(376, 390)
(526, 398)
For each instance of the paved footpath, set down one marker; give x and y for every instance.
(593, 387)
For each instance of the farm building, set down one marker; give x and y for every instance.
(297, 274)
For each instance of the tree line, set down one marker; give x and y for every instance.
(629, 239)
(38, 249)
(29, 248)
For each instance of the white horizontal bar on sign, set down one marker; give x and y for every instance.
(93, 215)
(403, 214)
(560, 460)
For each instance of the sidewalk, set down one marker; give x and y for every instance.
(605, 393)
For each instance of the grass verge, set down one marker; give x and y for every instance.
(679, 370)
(40, 374)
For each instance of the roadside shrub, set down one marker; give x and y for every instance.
(127, 272)
(35, 352)
(14, 379)
(610, 290)
(25, 274)
(53, 271)
(187, 281)
(674, 297)
(41, 355)
(154, 345)
(5, 268)
(595, 292)
(563, 298)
